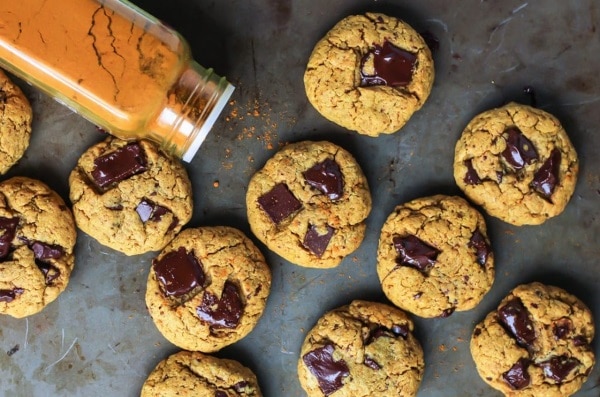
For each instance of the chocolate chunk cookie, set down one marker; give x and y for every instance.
(363, 349)
(309, 203)
(369, 74)
(208, 288)
(434, 256)
(130, 196)
(537, 343)
(193, 373)
(15, 123)
(37, 236)
(518, 163)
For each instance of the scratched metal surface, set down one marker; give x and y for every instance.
(97, 338)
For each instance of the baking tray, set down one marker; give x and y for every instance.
(97, 338)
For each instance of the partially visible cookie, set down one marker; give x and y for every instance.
(37, 237)
(369, 74)
(363, 349)
(309, 203)
(537, 343)
(130, 196)
(208, 288)
(15, 123)
(434, 256)
(196, 374)
(518, 163)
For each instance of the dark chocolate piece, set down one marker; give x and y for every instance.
(580, 340)
(44, 251)
(179, 272)
(392, 66)
(517, 376)
(315, 242)
(8, 228)
(369, 362)
(519, 149)
(220, 393)
(240, 386)
(447, 312)
(546, 178)
(327, 178)
(400, 330)
(9, 295)
(279, 203)
(515, 318)
(329, 373)
(415, 252)
(482, 249)
(471, 177)
(119, 165)
(50, 272)
(150, 211)
(558, 368)
(562, 328)
(222, 313)
(381, 331)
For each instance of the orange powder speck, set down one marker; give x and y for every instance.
(216, 184)
(442, 348)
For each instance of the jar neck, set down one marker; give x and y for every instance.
(191, 108)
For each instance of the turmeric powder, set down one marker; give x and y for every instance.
(115, 65)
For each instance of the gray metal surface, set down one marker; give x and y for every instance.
(97, 338)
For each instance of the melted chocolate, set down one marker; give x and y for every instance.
(562, 328)
(9, 295)
(240, 386)
(315, 242)
(369, 362)
(381, 331)
(279, 203)
(392, 66)
(482, 249)
(515, 318)
(8, 228)
(220, 393)
(179, 272)
(44, 251)
(150, 211)
(517, 376)
(222, 313)
(519, 149)
(327, 178)
(329, 373)
(447, 312)
(119, 165)
(415, 252)
(471, 177)
(546, 178)
(559, 367)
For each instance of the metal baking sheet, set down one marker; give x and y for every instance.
(97, 338)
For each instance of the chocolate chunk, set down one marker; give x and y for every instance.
(44, 251)
(220, 393)
(369, 362)
(447, 312)
(315, 242)
(179, 272)
(415, 252)
(9, 295)
(580, 340)
(240, 386)
(327, 178)
(515, 318)
(381, 331)
(119, 165)
(392, 66)
(471, 177)
(222, 313)
(50, 272)
(482, 249)
(562, 328)
(279, 203)
(150, 211)
(8, 228)
(559, 367)
(519, 149)
(546, 178)
(400, 330)
(517, 376)
(329, 373)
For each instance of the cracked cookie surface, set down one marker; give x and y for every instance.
(309, 203)
(208, 288)
(360, 350)
(518, 163)
(15, 123)
(130, 196)
(536, 343)
(369, 74)
(434, 256)
(196, 374)
(37, 237)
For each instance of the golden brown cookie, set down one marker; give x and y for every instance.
(434, 256)
(196, 374)
(363, 349)
(37, 236)
(15, 123)
(518, 163)
(537, 343)
(369, 74)
(208, 288)
(130, 196)
(309, 203)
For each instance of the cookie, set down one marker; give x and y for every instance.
(309, 203)
(434, 256)
(208, 288)
(130, 196)
(369, 74)
(15, 123)
(518, 163)
(363, 349)
(537, 343)
(37, 237)
(196, 374)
